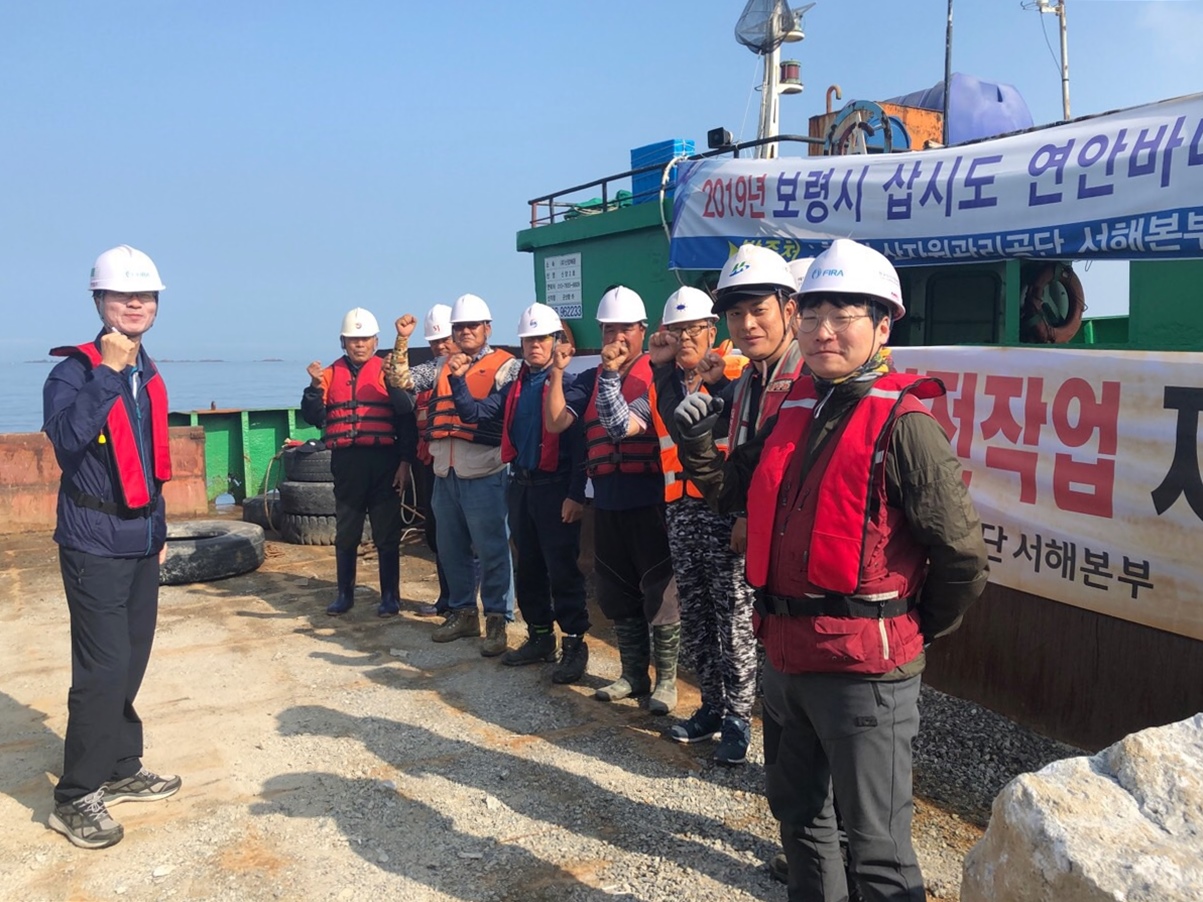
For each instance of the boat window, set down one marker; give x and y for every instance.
(963, 308)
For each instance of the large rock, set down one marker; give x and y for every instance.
(1126, 824)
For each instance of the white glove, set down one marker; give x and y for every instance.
(697, 414)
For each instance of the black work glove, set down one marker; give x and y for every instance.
(697, 414)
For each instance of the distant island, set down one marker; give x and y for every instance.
(271, 360)
(45, 360)
(182, 360)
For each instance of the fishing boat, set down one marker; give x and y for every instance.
(1079, 435)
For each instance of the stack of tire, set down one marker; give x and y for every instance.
(307, 497)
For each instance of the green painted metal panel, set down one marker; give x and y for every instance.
(1165, 298)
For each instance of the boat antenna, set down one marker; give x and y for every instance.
(1058, 10)
(763, 27)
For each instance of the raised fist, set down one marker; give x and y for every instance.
(662, 346)
(405, 325)
(458, 364)
(615, 354)
(697, 414)
(711, 367)
(561, 355)
(117, 352)
(315, 372)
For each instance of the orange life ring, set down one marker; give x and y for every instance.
(1038, 326)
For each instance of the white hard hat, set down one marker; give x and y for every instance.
(686, 305)
(124, 268)
(538, 320)
(800, 267)
(468, 308)
(754, 267)
(359, 323)
(621, 305)
(437, 324)
(849, 267)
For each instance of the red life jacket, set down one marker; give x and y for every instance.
(746, 422)
(549, 442)
(442, 419)
(121, 438)
(831, 533)
(358, 410)
(676, 486)
(422, 402)
(637, 455)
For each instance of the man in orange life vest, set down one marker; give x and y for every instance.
(546, 497)
(631, 559)
(106, 416)
(469, 498)
(848, 596)
(372, 435)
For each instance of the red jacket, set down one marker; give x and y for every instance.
(358, 409)
(549, 442)
(828, 534)
(637, 454)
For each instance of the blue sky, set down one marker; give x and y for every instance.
(285, 160)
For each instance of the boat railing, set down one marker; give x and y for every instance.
(560, 205)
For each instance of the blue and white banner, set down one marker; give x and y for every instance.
(1125, 185)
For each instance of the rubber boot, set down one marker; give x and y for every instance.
(666, 643)
(390, 582)
(344, 562)
(634, 652)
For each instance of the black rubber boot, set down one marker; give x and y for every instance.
(345, 562)
(634, 650)
(390, 583)
(666, 644)
(539, 648)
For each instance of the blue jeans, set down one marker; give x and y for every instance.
(471, 516)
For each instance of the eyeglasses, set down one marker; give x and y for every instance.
(688, 331)
(466, 327)
(837, 322)
(128, 297)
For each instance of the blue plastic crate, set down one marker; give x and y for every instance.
(645, 187)
(660, 152)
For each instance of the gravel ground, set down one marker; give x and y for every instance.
(355, 759)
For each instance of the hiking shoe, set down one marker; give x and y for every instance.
(495, 638)
(538, 648)
(144, 786)
(733, 746)
(574, 658)
(779, 867)
(459, 623)
(87, 822)
(705, 725)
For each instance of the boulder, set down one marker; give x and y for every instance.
(1125, 824)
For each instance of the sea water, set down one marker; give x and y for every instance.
(191, 385)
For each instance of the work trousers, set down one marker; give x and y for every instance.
(423, 475)
(627, 545)
(716, 606)
(114, 605)
(826, 733)
(472, 515)
(548, 582)
(363, 484)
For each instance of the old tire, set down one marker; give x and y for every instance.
(302, 464)
(304, 529)
(262, 510)
(202, 550)
(309, 498)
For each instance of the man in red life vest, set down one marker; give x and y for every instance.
(106, 416)
(863, 546)
(630, 547)
(546, 497)
(372, 435)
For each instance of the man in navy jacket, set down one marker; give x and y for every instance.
(106, 416)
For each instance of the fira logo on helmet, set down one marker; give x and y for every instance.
(680, 306)
(822, 273)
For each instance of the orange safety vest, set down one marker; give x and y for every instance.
(422, 402)
(676, 485)
(637, 455)
(549, 442)
(120, 436)
(830, 533)
(442, 419)
(358, 410)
